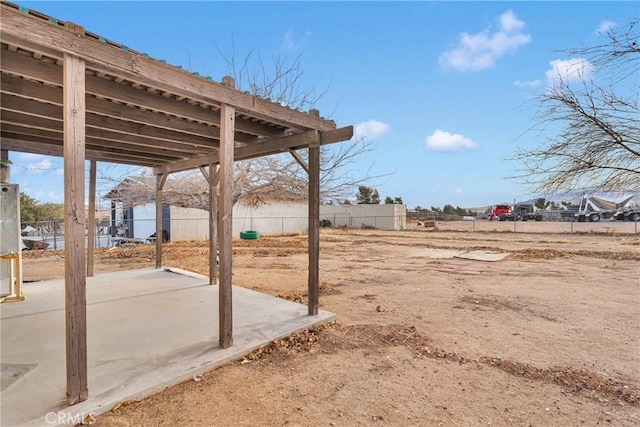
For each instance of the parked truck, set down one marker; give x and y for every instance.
(522, 212)
(594, 208)
(498, 210)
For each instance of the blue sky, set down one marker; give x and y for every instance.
(443, 89)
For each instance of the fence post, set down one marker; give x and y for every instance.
(55, 234)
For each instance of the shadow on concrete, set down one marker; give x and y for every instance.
(147, 329)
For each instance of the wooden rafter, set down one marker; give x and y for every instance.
(146, 71)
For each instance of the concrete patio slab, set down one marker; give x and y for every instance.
(147, 329)
(483, 256)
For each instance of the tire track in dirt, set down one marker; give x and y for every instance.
(333, 337)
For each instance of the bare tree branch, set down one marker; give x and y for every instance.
(272, 177)
(590, 132)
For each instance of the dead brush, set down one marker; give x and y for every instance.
(300, 342)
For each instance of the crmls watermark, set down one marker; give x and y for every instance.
(62, 418)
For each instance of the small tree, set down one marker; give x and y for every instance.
(367, 196)
(50, 211)
(41, 213)
(541, 203)
(449, 210)
(28, 208)
(393, 200)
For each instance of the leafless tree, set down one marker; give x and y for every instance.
(590, 129)
(272, 177)
(282, 81)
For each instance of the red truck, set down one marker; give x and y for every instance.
(499, 210)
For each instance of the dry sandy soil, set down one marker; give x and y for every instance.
(549, 336)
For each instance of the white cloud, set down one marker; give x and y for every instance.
(442, 140)
(605, 27)
(531, 84)
(39, 167)
(30, 157)
(569, 70)
(481, 51)
(370, 130)
(291, 41)
(37, 164)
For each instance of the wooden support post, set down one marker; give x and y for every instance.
(160, 180)
(74, 224)
(212, 179)
(91, 235)
(225, 223)
(314, 225)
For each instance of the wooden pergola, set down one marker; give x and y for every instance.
(68, 92)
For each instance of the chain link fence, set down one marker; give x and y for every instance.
(50, 234)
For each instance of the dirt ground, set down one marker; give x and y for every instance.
(549, 336)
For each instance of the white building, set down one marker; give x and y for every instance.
(384, 217)
(274, 217)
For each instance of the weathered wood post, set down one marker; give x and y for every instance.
(225, 219)
(74, 118)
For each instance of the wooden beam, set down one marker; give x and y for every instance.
(91, 226)
(300, 160)
(31, 107)
(225, 224)
(53, 148)
(24, 66)
(262, 148)
(16, 86)
(152, 157)
(74, 225)
(240, 153)
(314, 225)
(147, 71)
(19, 123)
(160, 180)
